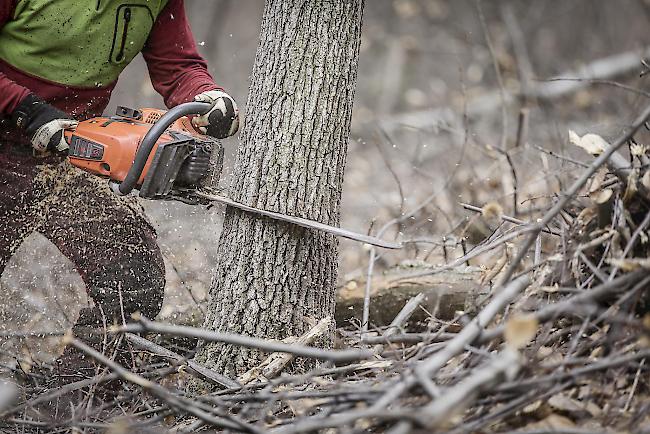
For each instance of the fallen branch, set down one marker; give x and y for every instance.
(196, 369)
(145, 325)
(600, 69)
(454, 400)
(427, 367)
(572, 191)
(605, 363)
(275, 363)
(408, 338)
(404, 315)
(401, 319)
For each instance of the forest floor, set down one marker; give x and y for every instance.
(556, 342)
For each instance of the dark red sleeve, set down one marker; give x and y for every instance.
(177, 70)
(11, 93)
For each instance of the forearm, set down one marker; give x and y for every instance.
(180, 83)
(177, 70)
(11, 94)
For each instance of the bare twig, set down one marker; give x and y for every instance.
(597, 293)
(602, 82)
(507, 218)
(561, 157)
(518, 41)
(63, 390)
(522, 127)
(605, 363)
(635, 383)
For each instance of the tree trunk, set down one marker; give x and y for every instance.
(272, 279)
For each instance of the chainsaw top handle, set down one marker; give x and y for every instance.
(150, 139)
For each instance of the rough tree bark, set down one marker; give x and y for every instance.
(273, 278)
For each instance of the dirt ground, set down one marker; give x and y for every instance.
(427, 122)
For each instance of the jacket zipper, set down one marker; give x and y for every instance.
(127, 19)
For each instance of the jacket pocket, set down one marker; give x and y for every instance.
(133, 22)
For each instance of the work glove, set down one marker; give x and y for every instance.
(223, 118)
(43, 123)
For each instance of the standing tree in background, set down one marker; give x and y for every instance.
(273, 278)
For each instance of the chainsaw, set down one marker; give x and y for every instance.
(160, 154)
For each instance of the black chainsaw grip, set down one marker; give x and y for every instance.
(150, 139)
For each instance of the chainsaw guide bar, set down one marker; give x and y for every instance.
(299, 221)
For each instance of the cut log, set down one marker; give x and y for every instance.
(444, 293)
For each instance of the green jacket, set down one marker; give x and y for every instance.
(71, 52)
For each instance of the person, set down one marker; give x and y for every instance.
(59, 62)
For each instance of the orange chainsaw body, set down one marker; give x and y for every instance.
(106, 146)
(157, 152)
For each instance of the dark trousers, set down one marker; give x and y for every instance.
(107, 237)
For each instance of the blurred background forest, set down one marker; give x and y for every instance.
(428, 124)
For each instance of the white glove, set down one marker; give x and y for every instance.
(43, 123)
(223, 118)
(50, 136)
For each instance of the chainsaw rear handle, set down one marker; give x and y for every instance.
(150, 139)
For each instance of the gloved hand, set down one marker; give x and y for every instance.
(222, 120)
(43, 123)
